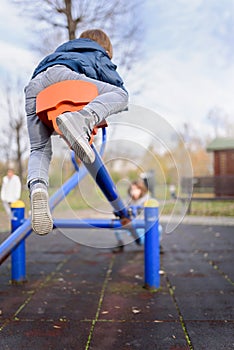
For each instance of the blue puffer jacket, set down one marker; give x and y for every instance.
(83, 56)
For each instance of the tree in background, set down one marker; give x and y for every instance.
(14, 141)
(220, 121)
(62, 20)
(196, 146)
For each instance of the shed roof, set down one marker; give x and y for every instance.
(221, 143)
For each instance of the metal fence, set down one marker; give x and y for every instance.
(218, 186)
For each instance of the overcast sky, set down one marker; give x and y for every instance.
(189, 58)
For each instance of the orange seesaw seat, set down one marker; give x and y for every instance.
(64, 96)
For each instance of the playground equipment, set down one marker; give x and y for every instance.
(51, 102)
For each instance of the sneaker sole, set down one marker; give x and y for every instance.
(42, 222)
(81, 148)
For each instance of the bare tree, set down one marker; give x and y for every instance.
(14, 141)
(5, 150)
(61, 20)
(220, 121)
(192, 140)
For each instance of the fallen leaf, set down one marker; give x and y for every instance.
(135, 310)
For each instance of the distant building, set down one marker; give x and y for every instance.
(223, 149)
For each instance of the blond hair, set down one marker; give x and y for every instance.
(101, 38)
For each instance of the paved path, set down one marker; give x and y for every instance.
(85, 298)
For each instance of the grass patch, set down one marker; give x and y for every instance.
(95, 199)
(204, 208)
(212, 208)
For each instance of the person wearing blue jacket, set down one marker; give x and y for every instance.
(87, 58)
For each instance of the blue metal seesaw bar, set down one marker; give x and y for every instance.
(15, 243)
(24, 230)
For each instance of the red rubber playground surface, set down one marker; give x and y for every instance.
(78, 297)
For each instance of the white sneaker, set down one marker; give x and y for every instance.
(42, 222)
(76, 128)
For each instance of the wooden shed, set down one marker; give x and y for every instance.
(223, 149)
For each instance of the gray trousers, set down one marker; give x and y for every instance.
(110, 100)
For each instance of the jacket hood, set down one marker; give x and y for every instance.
(80, 45)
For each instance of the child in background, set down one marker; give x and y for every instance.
(11, 190)
(87, 58)
(138, 194)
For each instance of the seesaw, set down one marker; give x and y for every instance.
(72, 95)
